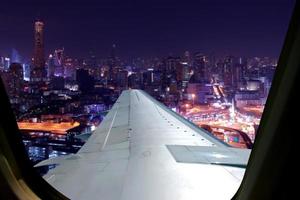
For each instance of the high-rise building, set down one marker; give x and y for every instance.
(234, 70)
(187, 58)
(92, 60)
(6, 63)
(26, 71)
(134, 81)
(15, 56)
(38, 72)
(172, 67)
(171, 64)
(112, 63)
(199, 68)
(1, 63)
(14, 81)
(122, 79)
(59, 62)
(228, 71)
(50, 66)
(85, 81)
(69, 68)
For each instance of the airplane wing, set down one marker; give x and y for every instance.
(143, 150)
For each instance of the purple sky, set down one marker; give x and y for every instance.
(151, 28)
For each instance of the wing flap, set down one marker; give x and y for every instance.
(210, 155)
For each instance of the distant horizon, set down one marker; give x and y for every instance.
(161, 57)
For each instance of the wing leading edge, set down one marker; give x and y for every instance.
(143, 150)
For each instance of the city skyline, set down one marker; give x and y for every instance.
(137, 32)
(214, 92)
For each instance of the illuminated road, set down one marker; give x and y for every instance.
(58, 128)
(252, 110)
(239, 121)
(231, 136)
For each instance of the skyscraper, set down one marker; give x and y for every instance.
(199, 67)
(85, 81)
(113, 64)
(38, 72)
(50, 66)
(59, 62)
(228, 71)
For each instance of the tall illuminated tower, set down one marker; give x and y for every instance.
(38, 72)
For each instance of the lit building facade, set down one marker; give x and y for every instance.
(38, 72)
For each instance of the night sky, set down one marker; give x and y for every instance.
(148, 28)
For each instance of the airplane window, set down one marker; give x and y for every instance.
(65, 66)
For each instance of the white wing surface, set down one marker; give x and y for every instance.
(142, 150)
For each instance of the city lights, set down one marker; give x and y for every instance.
(222, 93)
(58, 128)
